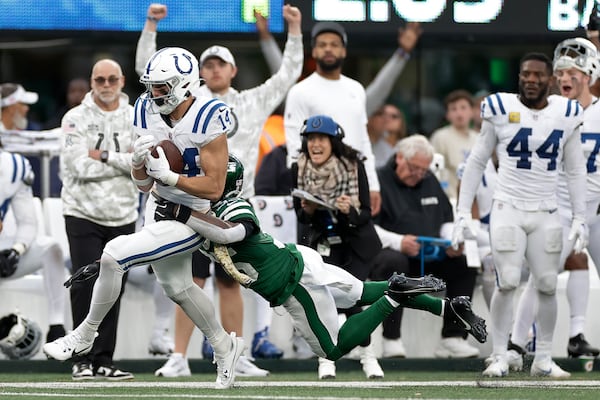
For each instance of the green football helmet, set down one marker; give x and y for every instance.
(234, 180)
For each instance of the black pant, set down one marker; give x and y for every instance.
(459, 278)
(86, 243)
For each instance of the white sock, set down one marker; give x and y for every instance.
(106, 291)
(54, 273)
(578, 291)
(501, 311)
(525, 314)
(545, 322)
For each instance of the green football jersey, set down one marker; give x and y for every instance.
(276, 267)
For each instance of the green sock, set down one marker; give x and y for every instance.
(372, 291)
(359, 327)
(424, 302)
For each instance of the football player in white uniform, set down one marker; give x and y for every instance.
(169, 109)
(576, 68)
(24, 251)
(533, 134)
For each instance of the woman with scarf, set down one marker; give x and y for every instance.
(340, 225)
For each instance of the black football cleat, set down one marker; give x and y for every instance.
(83, 274)
(459, 310)
(401, 286)
(578, 346)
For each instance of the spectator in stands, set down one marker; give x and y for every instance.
(343, 231)
(252, 108)
(99, 198)
(385, 127)
(24, 250)
(15, 108)
(455, 140)
(15, 105)
(76, 91)
(414, 204)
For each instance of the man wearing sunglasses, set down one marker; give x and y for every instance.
(99, 198)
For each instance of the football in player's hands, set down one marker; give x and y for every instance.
(172, 153)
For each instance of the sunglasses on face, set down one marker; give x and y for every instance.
(112, 80)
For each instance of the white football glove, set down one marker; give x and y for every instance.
(159, 168)
(580, 233)
(463, 228)
(141, 149)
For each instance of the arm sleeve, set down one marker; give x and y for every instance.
(295, 110)
(381, 86)
(476, 162)
(146, 46)
(575, 170)
(389, 240)
(210, 228)
(25, 217)
(272, 54)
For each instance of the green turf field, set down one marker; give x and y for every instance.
(304, 385)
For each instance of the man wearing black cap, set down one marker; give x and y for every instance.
(327, 91)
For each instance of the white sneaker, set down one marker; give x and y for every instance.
(326, 368)
(497, 368)
(226, 365)
(548, 369)
(393, 348)
(161, 344)
(73, 344)
(176, 366)
(455, 347)
(245, 367)
(513, 359)
(369, 362)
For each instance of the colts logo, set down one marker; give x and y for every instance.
(277, 220)
(187, 57)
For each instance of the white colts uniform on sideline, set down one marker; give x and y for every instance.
(531, 145)
(16, 177)
(590, 142)
(205, 120)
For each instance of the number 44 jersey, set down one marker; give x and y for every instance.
(531, 146)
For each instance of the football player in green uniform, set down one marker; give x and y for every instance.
(296, 277)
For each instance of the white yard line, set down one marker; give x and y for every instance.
(339, 384)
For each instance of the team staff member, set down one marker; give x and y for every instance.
(100, 201)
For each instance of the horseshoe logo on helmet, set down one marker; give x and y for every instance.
(187, 57)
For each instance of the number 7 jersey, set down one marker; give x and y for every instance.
(531, 146)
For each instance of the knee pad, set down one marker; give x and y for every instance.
(509, 278)
(546, 284)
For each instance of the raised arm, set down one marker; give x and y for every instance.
(268, 45)
(381, 86)
(146, 45)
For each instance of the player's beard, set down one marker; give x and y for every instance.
(535, 101)
(325, 66)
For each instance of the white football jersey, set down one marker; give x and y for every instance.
(530, 146)
(16, 177)
(205, 120)
(590, 143)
